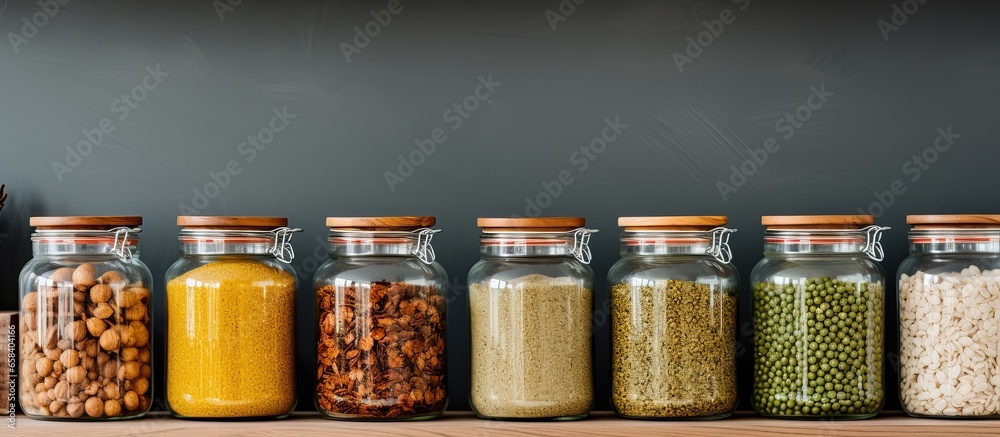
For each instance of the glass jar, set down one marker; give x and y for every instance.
(530, 308)
(949, 314)
(86, 343)
(818, 298)
(673, 319)
(380, 321)
(231, 319)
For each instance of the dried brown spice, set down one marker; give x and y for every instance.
(381, 350)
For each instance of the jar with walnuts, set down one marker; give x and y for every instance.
(380, 321)
(85, 319)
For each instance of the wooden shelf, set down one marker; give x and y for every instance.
(601, 424)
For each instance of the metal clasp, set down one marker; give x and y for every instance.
(120, 247)
(282, 247)
(581, 244)
(424, 251)
(720, 249)
(872, 247)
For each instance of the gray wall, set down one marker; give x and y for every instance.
(223, 75)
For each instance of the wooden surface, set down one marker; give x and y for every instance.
(679, 222)
(231, 222)
(816, 221)
(85, 222)
(465, 424)
(400, 223)
(532, 224)
(953, 220)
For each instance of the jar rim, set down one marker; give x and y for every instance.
(82, 236)
(814, 236)
(954, 235)
(228, 235)
(660, 236)
(526, 238)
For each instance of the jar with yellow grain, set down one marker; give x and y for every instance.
(86, 343)
(231, 319)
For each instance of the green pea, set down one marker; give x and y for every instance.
(813, 336)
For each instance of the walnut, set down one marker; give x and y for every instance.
(29, 304)
(136, 312)
(103, 311)
(129, 354)
(101, 293)
(131, 400)
(69, 358)
(62, 275)
(77, 330)
(43, 366)
(112, 390)
(96, 326)
(83, 277)
(95, 407)
(110, 340)
(113, 277)
(75, 409)
(76, 374)
(140, 386)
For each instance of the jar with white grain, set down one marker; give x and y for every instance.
(949, 317)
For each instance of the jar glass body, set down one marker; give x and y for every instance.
(949, 313)
(531, 344)
(673, 333)
(818, 334)
(86, 331)
(380, 330)
(230, 336)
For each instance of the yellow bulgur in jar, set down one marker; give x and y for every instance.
(231, 341)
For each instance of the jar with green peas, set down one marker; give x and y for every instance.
(818, 299)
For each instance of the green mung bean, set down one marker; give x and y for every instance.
(818, 348)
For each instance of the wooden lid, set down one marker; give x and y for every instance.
(538, 224)
(817, 221)
(945, 221)
(400, 223)
(85, 222)
(231, 222)
(673, 223)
